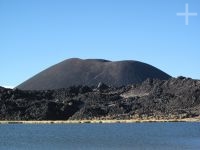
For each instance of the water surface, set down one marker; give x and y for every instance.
(133, 136)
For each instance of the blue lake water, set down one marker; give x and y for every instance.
(134, 136)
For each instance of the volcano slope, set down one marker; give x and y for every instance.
(175, 98)
(90, 72)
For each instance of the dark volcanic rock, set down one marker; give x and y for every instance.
(90, 72)
(1, 88)
(168, 99)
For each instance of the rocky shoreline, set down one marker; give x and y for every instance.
(176, 99)
(196, 119)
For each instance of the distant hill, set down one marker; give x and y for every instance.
(90, 72)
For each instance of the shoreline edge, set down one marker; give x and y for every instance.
(97, 121)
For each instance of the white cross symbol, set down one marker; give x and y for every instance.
(186, 14)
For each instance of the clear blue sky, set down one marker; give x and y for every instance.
(35, 34)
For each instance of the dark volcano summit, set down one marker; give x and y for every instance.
(90, 72)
